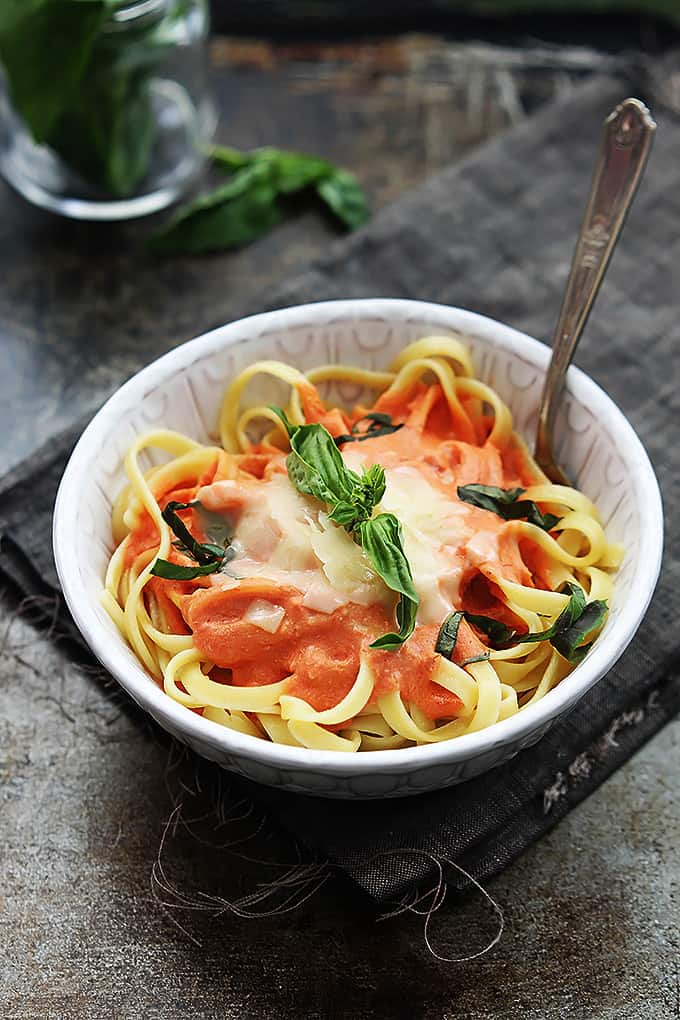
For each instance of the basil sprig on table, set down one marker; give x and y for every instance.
(251, 202)
(210, 556)
(577, 621)
(316, 468)
(507, 504)
(379, 424)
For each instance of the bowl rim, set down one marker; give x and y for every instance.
(146, 692)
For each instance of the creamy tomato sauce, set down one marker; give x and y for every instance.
(301, 600)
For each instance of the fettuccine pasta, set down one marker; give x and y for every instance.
(405, 575)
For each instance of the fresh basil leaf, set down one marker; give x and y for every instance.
(85, 91)
(248, 205)
(448, 634)
(218, 527)
(229, 160)
(45, 46)
(376, 419)
(344, 513)
(380, 425)
(108, 130)
(526, 509)
(289, 427)
(294, 170)
(575, 606)
(197, 549)
(506, 503)
(570, 641)
(177, 572)
(344, 197)
(372, 486)
(577, 621)
(229, 216)
(381, 539)
(367, 492)
(315, 466)
(488, 497)
(497, 633)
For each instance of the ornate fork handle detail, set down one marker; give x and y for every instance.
(626, 141)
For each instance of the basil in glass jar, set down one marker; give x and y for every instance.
(105, 109)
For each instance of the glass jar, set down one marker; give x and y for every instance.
(120, 128)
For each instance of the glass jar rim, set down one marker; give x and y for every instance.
(126, 11)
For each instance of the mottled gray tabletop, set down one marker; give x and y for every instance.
(591, 913)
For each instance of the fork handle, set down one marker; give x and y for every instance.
(626, 140)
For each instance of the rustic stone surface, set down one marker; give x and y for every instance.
(591, 912)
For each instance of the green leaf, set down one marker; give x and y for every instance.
(45, 46)
(367, 492)
(343, 195)
(381, 539)
(248, 205)
(506, 503)
(108, 131)
(497, 633)
(175, 572)
(379, 425)
(207, 554)
(293, 170)
(218, 527)
(570, 641)
(280, 413)
(228, 217)
(84, 90)
(488, 497)
(200, 552)
(316, 468)
(575, 624)
(448, 634)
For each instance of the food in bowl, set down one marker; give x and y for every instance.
(396, 574)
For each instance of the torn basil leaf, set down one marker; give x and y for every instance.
(570, 641)
(253, 199)
(498, 633)
(575, 624)
(178, 572)
(380, 424)
(210, 556)
(507, 504)
(316, 468)
(381, 539)
(448, 634)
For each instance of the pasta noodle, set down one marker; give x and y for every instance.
(252, 601)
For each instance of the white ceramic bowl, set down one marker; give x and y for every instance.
(182, 390)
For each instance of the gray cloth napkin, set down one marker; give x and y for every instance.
(494, 234)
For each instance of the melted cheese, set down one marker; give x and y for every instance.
(265, 615)
(437, 533)
(287, 537)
